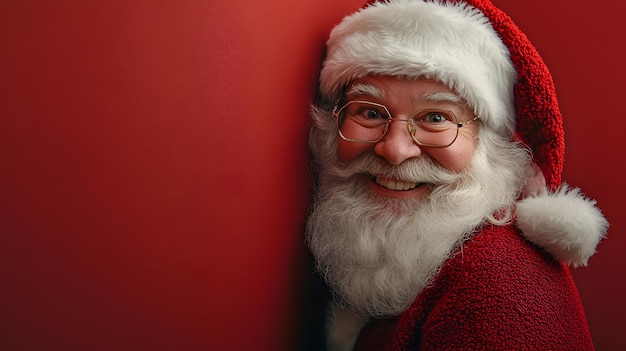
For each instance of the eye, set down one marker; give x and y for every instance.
(434, 117)
(365, 112)
(372, 113)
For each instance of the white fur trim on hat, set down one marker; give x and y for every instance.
(452, 43)
(565, 223)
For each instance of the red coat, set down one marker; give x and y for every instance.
(499, 293)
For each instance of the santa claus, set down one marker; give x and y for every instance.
(440, 219)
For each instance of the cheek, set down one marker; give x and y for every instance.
(458, 161)
(457, 157)
(347, 150)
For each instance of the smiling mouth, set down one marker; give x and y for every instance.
(395, 184)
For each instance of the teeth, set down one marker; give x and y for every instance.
(395, 184)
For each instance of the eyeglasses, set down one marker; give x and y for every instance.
(368, 122)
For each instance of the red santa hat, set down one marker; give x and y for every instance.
(477, 50)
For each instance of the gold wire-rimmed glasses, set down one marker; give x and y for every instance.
(368, 122)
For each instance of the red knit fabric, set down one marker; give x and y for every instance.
(498, 293)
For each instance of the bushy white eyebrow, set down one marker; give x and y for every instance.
(365, 90)
(440, 97)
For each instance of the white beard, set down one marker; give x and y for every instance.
(377, 253)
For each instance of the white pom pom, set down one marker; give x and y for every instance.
(565, 223)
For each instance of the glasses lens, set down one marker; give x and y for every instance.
(362, 121)
(435, 127)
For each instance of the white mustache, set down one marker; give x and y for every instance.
(417, 170)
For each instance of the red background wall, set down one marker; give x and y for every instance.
(153, 171)
(583, 45)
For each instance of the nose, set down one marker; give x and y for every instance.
(397, 146)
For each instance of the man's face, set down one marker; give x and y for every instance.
(403, 98)
(377, 247)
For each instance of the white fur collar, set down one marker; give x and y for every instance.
(342, 328)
